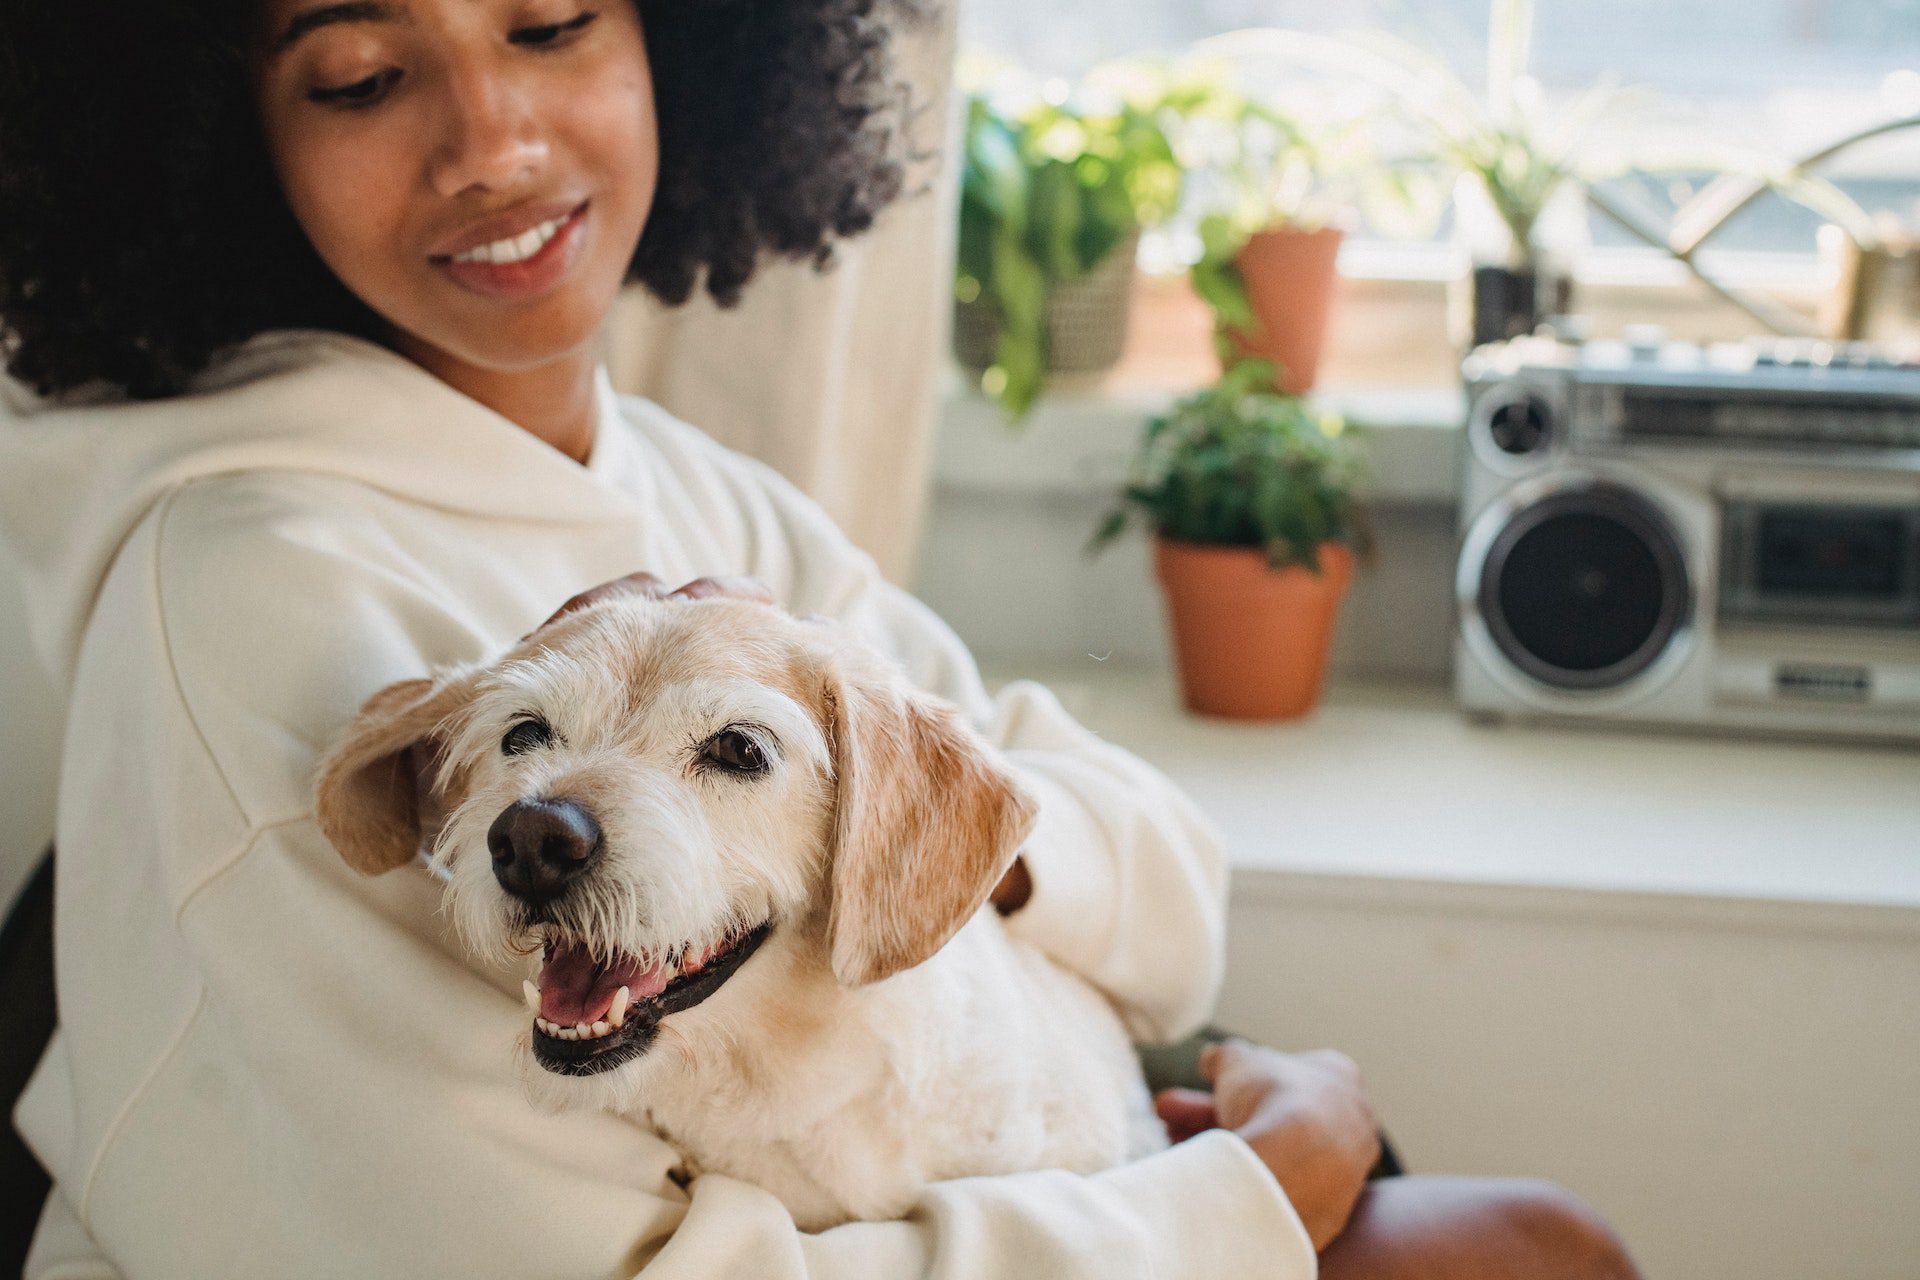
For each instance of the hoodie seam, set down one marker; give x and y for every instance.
(166, 649)
(249, 840)
(120, 1119)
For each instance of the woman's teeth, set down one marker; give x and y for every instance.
(517, 248)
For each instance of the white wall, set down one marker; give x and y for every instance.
(1731, 1084)
(1006, 571)
(30, 725)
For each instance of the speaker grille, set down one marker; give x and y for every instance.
(1585, 588)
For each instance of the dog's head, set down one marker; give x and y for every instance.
(652, 792)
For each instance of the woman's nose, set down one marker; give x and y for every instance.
(491, 136)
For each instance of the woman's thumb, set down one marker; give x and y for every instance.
(1216, 1057)
(1185, 1112)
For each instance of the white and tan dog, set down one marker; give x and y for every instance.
(756, 862)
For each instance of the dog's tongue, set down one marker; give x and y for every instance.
(574, 988)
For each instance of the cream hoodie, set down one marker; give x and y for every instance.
(271, 1067)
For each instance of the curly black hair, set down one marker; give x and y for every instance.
(143, 230)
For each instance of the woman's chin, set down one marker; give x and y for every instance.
(499, 339)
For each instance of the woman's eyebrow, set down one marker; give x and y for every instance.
(326, 15)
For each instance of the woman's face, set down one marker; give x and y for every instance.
(403, 129)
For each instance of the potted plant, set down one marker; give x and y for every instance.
(1249, 493)
(1053, 196)
(1269, 187)
(1509, 152)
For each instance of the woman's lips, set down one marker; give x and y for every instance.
(529, 277)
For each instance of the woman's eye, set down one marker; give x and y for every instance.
(525, 736)
(359, 93)
(546, 34)
(735, 752)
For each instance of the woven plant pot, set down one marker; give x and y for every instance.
(1086, 318)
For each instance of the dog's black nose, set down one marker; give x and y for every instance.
(538, 846)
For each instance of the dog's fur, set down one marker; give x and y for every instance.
(888, 1032)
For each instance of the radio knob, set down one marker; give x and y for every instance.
(1645, 341)
(1519, 426)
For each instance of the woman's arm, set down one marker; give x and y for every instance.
(278, 1067)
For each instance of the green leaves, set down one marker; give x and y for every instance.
(1046, 194)
(1240, 464)
(1505, 138)
(1216, 278)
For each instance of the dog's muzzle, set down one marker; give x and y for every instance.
(539, 847)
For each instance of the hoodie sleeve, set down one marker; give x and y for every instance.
(270, 1065)
(1129, 876)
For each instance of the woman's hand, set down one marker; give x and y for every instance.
(650, 587)
(1304, 1115)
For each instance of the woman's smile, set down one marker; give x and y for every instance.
(523, 266)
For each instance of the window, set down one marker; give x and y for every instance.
(1787, 75)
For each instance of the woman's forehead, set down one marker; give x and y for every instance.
(290, 21)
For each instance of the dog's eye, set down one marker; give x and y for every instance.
(525, 736)
(735, 752)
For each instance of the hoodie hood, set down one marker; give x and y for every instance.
(77, 474)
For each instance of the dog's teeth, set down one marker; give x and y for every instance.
(568, 1033)
(618, 1014)
(533, 997)
(580, 1029)
(601, 1029)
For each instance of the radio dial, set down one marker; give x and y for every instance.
(1519, 427)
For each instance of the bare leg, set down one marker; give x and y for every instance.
(1437, 1228)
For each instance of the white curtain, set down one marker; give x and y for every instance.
(830, 377)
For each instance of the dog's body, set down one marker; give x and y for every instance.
(988, 1058)
(757, 865)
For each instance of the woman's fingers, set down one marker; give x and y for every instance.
(1212, 1057)
(1185, 1112)
(1307, 1117)
(651, 586)
(737, 585)
(639, 584)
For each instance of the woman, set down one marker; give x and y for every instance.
(300, 440)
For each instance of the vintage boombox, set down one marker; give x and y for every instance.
(1719, 537)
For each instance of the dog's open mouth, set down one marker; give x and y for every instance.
(592, 1017)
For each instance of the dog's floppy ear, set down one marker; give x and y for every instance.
(367, 789)
(926, 823)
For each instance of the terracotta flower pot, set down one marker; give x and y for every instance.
(1251, 641)
(1290, 279)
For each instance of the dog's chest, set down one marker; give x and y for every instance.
(986, 1060)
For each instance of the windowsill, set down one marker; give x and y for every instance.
(1081, 436)
(1391, 785)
